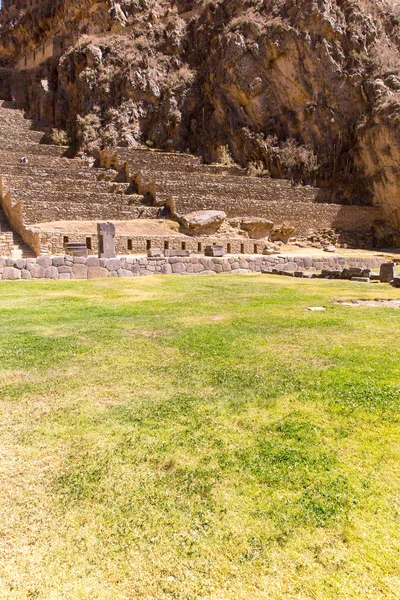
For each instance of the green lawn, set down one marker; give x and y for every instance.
(198, 438)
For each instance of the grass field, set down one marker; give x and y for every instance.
(185, 438)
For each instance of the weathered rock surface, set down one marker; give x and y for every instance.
(257, 228)
(302, 89)
(204, 221)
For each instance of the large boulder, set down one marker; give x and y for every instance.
(203, 222)
(283, 233)
(257, 228)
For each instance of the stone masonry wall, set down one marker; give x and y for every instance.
(68, 267)
(54, 243)
(182, 184)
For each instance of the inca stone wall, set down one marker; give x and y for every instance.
(184, 185)
(68, 267)
(54, 243)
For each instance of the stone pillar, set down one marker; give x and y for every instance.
(387, 272)
(106, 235)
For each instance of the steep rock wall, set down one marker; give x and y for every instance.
(303, 89)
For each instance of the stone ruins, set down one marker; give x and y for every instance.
(172, 201)
(181, 215)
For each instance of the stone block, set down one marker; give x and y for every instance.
(11, 273)
(79, 260)
(2, 262)
(199, 268)
(44, 261)
(113, 264)
(361, 279)
(214, 251)
(355, 271)
(51, 273)
(80, 271)
(25, 274)
(152, 252)
(178, 268)
(64, 276)
(290, 266)
(177, 253)
(58, 261)
(124, 273)
(77, 248)
(387, 272)
(166, 269)
(10, 262)
(92, 261)
(20, 263)
(396, 282)
(96, 272)
(64, 269)
(203, 221)
(37, 271)
(106, 236)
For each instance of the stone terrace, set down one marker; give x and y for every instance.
(182, 184)
(143, 184)
(52, 187)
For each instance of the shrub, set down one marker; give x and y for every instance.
(223, 155)
(59, 137)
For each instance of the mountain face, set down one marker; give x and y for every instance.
(300, 89)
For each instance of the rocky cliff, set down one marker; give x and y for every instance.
(303, 89)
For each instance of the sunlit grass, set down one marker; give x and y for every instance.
(179, 437)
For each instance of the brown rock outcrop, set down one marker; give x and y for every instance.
(306, 90)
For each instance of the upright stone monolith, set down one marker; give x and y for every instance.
(387, 272)
(106, 234)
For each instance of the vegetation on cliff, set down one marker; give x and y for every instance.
(305, 89)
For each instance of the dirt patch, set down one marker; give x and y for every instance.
(149, 333)
(135, 227)
(374, 303)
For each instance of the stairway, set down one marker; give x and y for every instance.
(11, 243)
(53, 187)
